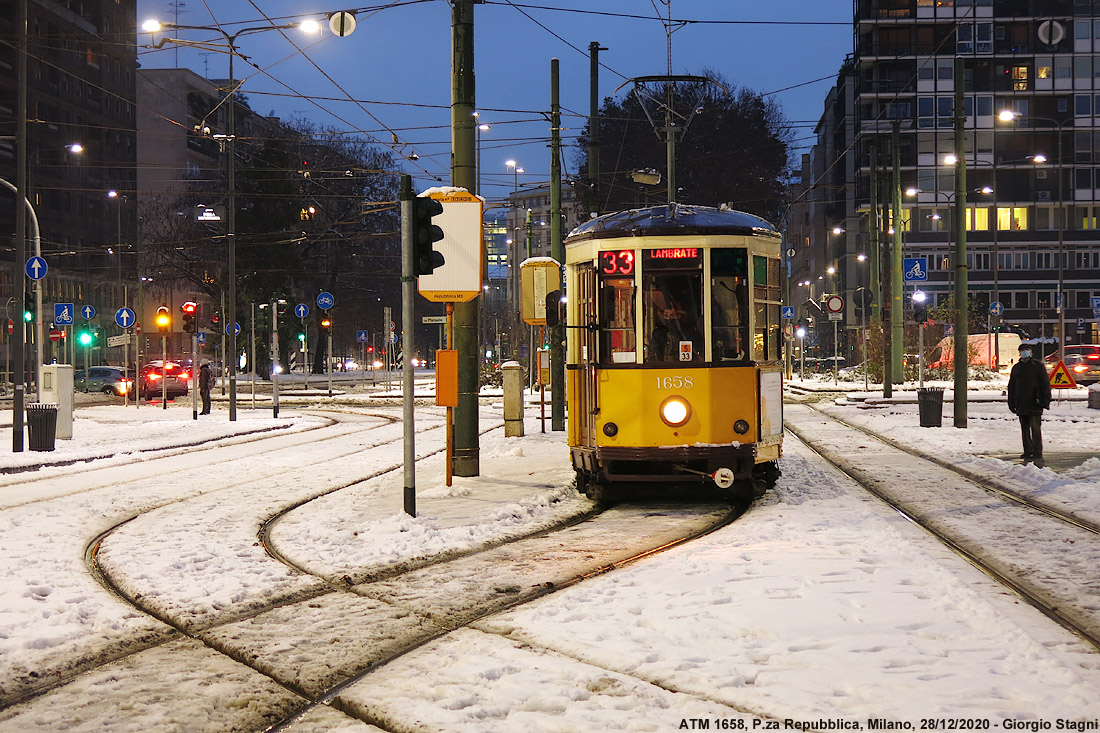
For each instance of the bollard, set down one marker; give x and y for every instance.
(513, 399)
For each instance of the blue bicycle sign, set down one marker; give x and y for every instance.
(914, 269)
(325, 301)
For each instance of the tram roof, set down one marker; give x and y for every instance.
(677, 219)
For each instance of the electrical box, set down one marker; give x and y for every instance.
(57, 387)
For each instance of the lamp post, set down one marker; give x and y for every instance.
(480, 129)
(861, 298)
(153, 26)
(1010, 116)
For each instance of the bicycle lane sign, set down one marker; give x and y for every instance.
(914, 269)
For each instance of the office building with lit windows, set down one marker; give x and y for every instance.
(1031, 76)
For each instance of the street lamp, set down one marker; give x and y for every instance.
(153, 26)
(1008, 115)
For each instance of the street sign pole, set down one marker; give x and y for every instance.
(194, 377)
(408, 290)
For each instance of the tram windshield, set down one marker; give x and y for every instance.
(729, 294)
(672, 290)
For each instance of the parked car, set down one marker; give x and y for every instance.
(151, 386)
(106, 379)
(1082, 361)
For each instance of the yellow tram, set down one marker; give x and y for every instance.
(674, 353)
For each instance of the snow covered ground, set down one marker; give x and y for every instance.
(819, 606)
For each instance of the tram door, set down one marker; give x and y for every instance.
(587, 356)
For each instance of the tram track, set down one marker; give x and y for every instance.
(167, 635)
(954, 505)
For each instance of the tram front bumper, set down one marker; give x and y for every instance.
(653, 464)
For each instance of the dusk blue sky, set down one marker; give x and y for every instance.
(397, 66)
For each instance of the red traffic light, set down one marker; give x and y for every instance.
(370, 349)
(189, 307)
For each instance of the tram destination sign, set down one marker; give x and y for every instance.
(672, 257)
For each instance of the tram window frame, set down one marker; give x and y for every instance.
(672, 306)
(729, 304)
(618, 298)
(767, 304)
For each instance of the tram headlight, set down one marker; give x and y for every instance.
(610, 429)
(740, 427)
(675, 411)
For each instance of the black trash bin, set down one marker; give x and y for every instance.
(930, 404)
(42, 425)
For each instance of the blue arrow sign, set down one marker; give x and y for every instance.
(124, 317)
(63, 314)
(236, 329)
(301, 310)
(787, 311)
(36, 268)
(996, 308)
(361, 337)
(88, 312)
(325, 301)
(914, 269)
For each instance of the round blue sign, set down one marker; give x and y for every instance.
(36, 268)
(124, 317)
(88, 311)
(325, 301)
(301, 310)
(996, 308)
(236, 329)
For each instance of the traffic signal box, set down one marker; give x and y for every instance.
(163, 319)
(189, 310)
(425, 234)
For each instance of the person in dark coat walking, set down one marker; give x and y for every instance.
(1028, 396)
(204, 386)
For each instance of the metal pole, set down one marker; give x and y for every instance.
(1061, 302)
(408, 317)
(163, 370)
(594, 49)
(18, 279)
(275, 358)
(230, 356)
(961, 275)
(897, 288)
(557, 251)
(920, 354)
(305, 352)
(467, 453)
(252, 358)
(194, 377)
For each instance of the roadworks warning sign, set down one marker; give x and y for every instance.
(1060, 378)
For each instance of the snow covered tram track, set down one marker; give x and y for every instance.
(160, 485)
(482, 584)
(1054, 571)
(992, 483)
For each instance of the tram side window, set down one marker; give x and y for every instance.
(617, 339)
(729, 308)
(673, 317)
(767, 301)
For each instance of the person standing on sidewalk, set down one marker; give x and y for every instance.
(1028, 396)
(204, 386)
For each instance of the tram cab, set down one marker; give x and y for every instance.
(674, 353)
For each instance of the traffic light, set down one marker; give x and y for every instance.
(301, 337)
(326, 324)
(163, 319)
(189, 310)
(920, 306)
(553, 308)
(86, 337)
(215, 319)
(425, 235)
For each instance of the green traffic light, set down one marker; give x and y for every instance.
(28, 316)
(301, 337)
(85, 338)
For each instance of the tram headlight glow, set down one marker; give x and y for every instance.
(675, 411)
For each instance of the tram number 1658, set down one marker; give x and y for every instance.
(675, 382)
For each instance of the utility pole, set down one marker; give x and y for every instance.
(872, 232)
(19, 277)
(897, 288)
(557, 251)
(962, 359)
(594, 49)
(466, 460)
(887, 308)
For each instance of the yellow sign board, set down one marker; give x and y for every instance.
(1060, 378)
(460, 277)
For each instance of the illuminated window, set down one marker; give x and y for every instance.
(1011, 218)
(1019, 78)
(977, 219)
